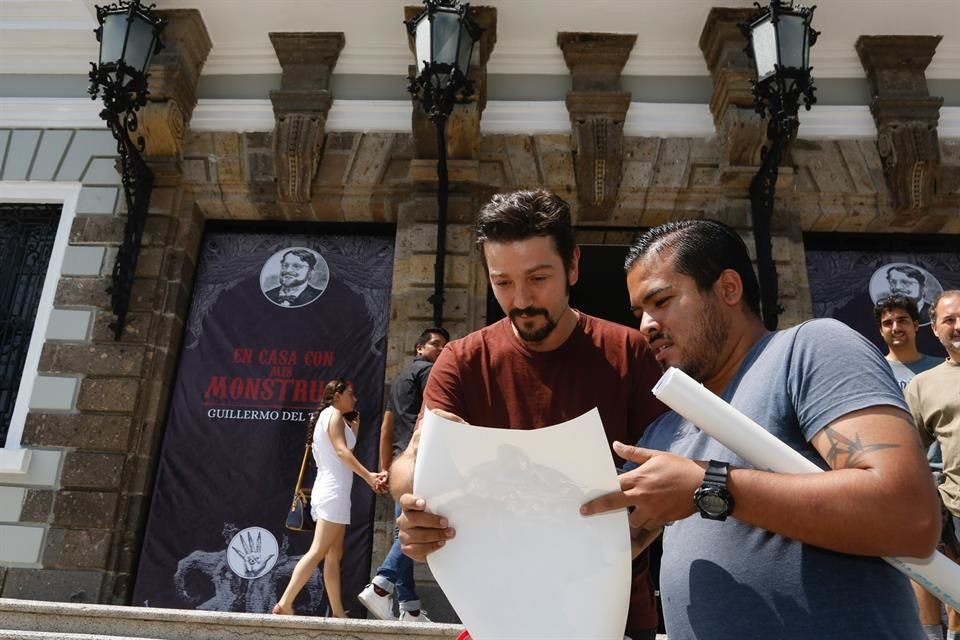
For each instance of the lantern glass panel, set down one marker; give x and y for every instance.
(764, 40)
(422, 41)
(466, 49)
(792, 31)
(446, 29)
(139, 43)
(111, 38)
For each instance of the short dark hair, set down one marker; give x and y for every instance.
(303, 254)
(936, 300)
(896, 302)
(911, 272)
(526, 214)
(427, 333)
(702, 249)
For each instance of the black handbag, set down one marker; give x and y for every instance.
(299, 517)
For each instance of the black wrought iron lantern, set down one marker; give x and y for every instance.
(778, 42)
(444, 36)
(129, 36)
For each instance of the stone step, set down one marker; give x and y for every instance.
(57, 635)
(31, 619)
(36, 620)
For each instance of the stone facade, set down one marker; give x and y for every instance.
(92, 507)
(98, 405)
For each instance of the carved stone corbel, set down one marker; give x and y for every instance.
(463, 124)
(740, 130)
(598, 108)
(906, 116)
(300, 107)
(174, 73)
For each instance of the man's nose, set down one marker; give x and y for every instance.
(648, 326)
(521, 297)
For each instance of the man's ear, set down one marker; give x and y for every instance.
(574, 274)
(729, 287)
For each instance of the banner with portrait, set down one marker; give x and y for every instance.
(272, 319)
(850, 273)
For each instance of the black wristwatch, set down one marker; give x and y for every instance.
(712, 499)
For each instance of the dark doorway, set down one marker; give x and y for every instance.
(601, 290)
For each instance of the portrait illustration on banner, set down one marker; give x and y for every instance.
(849, 276)
(294, 277)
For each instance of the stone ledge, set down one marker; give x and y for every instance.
(36, 620)
(62, 620)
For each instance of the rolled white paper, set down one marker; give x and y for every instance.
(938, 574)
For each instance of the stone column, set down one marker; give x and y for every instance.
(598, 108)
(301, 107)
(906, 116)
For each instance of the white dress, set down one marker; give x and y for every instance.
(330, 499)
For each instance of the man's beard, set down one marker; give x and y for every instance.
(699, 361)
(291, 282)
(536, 335)
(951, 344)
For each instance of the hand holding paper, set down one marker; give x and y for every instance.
(524, 563)
(421, 532)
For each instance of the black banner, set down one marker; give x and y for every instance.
(848, 275)
(273, 317)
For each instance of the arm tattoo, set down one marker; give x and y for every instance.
(847, 453)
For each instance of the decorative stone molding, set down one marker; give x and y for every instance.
(906, 116)
(301, 107)
(174, 73)
(463, 124)
(597, 108)
(740, 131)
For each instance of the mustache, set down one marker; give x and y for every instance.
(527, 312)
(660, 335)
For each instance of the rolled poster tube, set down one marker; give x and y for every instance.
(725, 424)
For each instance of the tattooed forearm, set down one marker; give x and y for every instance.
(845, 453)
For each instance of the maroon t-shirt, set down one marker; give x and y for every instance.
(491, 378)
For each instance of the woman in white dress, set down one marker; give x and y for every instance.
(333, 440)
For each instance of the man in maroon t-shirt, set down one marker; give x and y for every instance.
(543, 364)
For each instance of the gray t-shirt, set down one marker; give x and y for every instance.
(904, 372)
(730, 580)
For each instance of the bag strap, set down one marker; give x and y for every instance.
(311, 425)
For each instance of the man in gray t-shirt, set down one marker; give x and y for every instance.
(898, 321)
(750, 553)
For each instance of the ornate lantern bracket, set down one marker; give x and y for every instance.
(129, 36)
(778, 42)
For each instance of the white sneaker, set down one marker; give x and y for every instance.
(406, 616)
(380, 606)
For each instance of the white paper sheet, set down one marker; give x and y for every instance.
(525, 564)
(763, 450)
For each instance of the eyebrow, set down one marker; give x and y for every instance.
(494, 274)
(650, 294)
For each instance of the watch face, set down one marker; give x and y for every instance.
(713, 504)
